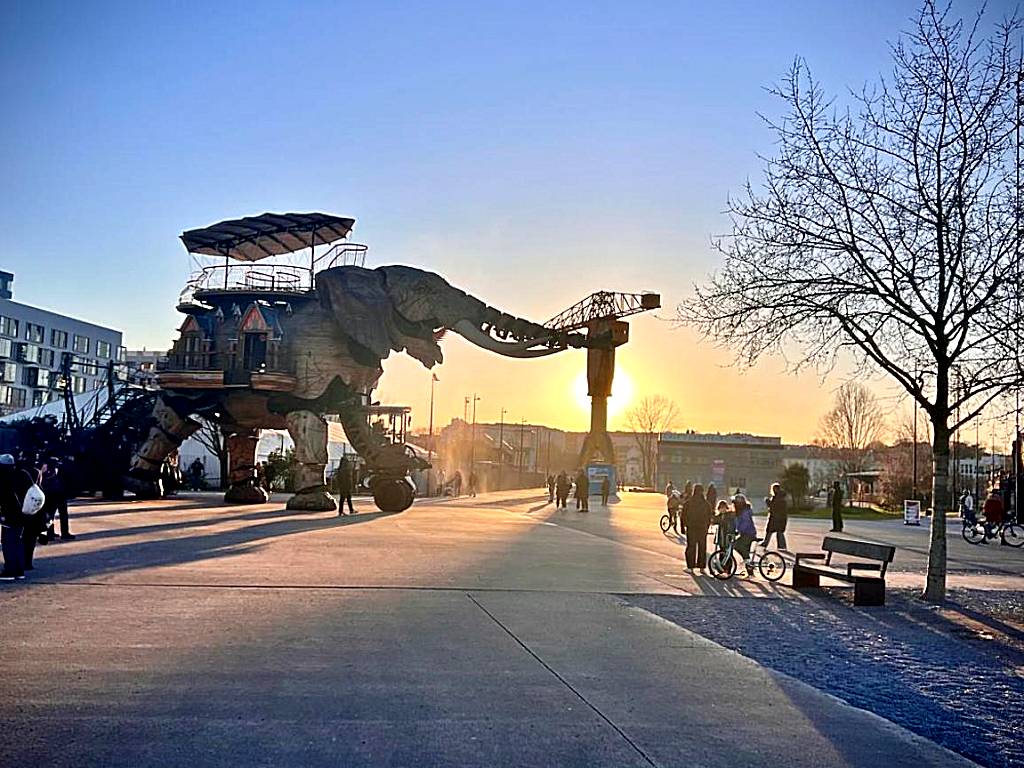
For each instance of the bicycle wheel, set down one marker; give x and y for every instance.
(722, 564)
(665, 523)
(772, 566)
(973, 534)
(1013, 535)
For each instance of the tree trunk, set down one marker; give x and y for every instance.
(935, 584)
(222, 459)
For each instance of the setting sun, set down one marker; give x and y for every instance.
(622, 393)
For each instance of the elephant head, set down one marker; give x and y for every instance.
(406, 309)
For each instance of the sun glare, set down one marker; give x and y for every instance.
(622, 393)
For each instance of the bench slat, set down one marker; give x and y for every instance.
(881, 552)
(840, 575)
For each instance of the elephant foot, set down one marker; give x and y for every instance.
(316, 500)
(246, 493)
(393, 495)
(143, 487)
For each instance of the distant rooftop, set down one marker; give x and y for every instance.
(735, 438)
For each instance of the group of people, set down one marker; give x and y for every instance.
(993, 509)
(560, 488)
(693, 510)
(22, 529)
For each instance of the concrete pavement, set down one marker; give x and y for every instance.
(471, 632)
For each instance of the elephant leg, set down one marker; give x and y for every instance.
(243, 488)
(309, 432)
(167, 433)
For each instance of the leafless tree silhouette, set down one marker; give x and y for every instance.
(647, 420)
(889, 230)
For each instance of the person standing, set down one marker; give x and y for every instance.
(472, 483)
(582, 491)
(697, 518)
(562, 485)
(836, 498)
(14, 483)
(712, 496)
(606, 488)
(342, 483)
(551, 488)
(778, 517)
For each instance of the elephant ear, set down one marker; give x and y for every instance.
(361, 308)
(425, 297)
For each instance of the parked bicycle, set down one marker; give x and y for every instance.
(980, 531)
(770, 564)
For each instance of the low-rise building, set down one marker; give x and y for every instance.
(33, 345)
(733, 462)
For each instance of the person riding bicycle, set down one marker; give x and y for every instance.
(993, 511)
(674, 502)
(745, 529)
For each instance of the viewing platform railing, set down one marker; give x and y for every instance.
(264, 277)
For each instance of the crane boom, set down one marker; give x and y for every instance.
(603, 305)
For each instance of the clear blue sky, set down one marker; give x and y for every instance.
(532, 152)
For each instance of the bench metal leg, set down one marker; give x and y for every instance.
(869, 593)
(805, 579)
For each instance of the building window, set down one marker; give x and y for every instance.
(8, 372)
(81, 344)
(43, 378)
(29, 353)
(34, 333)
(38, 398)
(46, 357)
(12, 396)
(79, 384)
(8, 326)
(5, 347)
(102, 348)
(59, 339)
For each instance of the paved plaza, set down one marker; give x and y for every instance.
(490, 631)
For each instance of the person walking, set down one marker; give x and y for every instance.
(778, 517)
(14, 483)
(562, 486)
(606, 489)
(342, 482)
(836, 497)
(551, 488)
(472, 483)
(582, 491)
(697, 518)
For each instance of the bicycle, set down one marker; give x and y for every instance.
(668, 521)
(770, 564)
(979, 531)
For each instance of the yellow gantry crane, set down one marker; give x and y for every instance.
(600, 315)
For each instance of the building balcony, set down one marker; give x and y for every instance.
(267, 369)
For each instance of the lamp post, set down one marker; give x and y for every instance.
(430, 430)
(501, 445)
(522, 432)
(472, 437)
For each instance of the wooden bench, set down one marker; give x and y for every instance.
(868, 578)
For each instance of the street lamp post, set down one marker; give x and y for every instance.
(501, 445)
(472, 437)
(430, 431)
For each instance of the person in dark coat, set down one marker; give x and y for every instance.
(778, 517)
(35, 524)
(14, 483)
(606, 489)
(551, 488)
(562, 486)
(55, 485)
(836, 497)
(342, 482)
(582, 491)
(697, 517)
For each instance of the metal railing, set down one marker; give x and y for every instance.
(263, 277)
(231, 361)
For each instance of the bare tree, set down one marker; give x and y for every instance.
(212, 438)
(854, 422)
(889, 230)
(647, 420)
